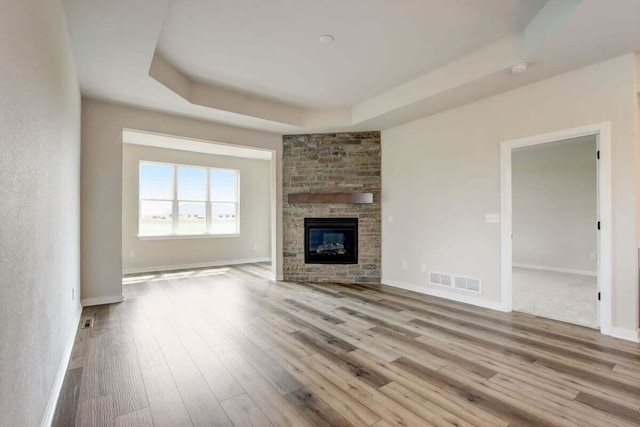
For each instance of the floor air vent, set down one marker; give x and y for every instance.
(458, 282)
(440, 279)
(87, 323)
(468, 284)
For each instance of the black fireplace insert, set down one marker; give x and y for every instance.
(331, 240)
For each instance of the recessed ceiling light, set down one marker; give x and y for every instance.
(519, 68)
(326, 39)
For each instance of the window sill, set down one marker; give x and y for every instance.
(188, 236)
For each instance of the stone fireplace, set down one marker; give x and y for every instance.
(331, 207)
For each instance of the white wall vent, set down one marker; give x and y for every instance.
(440, 279)
(461, 282)
(468, 284)
(458, 282)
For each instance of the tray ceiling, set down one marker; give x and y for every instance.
(259, 63)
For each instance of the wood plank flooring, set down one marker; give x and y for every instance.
(226, 346)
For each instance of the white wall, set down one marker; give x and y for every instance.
(637, 119)
(554, 189)
(102, 147)
(441, 175)
(151, 255)
(40, 206)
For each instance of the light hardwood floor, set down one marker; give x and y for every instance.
(226, 346)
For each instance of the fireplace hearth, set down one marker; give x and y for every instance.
(331, 240)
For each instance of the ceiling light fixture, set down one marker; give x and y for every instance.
(326, 39)
(519, 68)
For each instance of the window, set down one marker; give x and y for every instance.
(188, 200)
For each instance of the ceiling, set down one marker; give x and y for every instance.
(272, 47)
(259, 63)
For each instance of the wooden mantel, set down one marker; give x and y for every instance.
(345, 198)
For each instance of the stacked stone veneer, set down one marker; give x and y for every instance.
(332, 163)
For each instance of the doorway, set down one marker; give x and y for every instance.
(556, 242)
(554, 202)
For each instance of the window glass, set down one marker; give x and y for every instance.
(192, 183)
(192, 218)
(224, 218)
(156, 181)
(224, 185)
(155, 218)
(197, 211)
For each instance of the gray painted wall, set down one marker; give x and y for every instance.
(255, 236)
(555, 205)
(40, 215)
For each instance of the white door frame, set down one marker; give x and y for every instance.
(603, 135)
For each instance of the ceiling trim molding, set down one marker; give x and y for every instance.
(172, 142)
(220, 98)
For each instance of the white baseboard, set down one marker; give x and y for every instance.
(86, 302)
(556, 269)
(443, 293)
(626, 334)
(50, 410)
(196, 265)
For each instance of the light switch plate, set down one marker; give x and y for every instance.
(492, 218)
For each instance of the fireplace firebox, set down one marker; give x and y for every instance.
(331, 240)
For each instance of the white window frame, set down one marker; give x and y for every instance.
(176, 202)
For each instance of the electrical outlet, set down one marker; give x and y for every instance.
(593, 257)
(132, 254)
(390, 218)
(255, 247)
(405, 265)
(423, 268)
